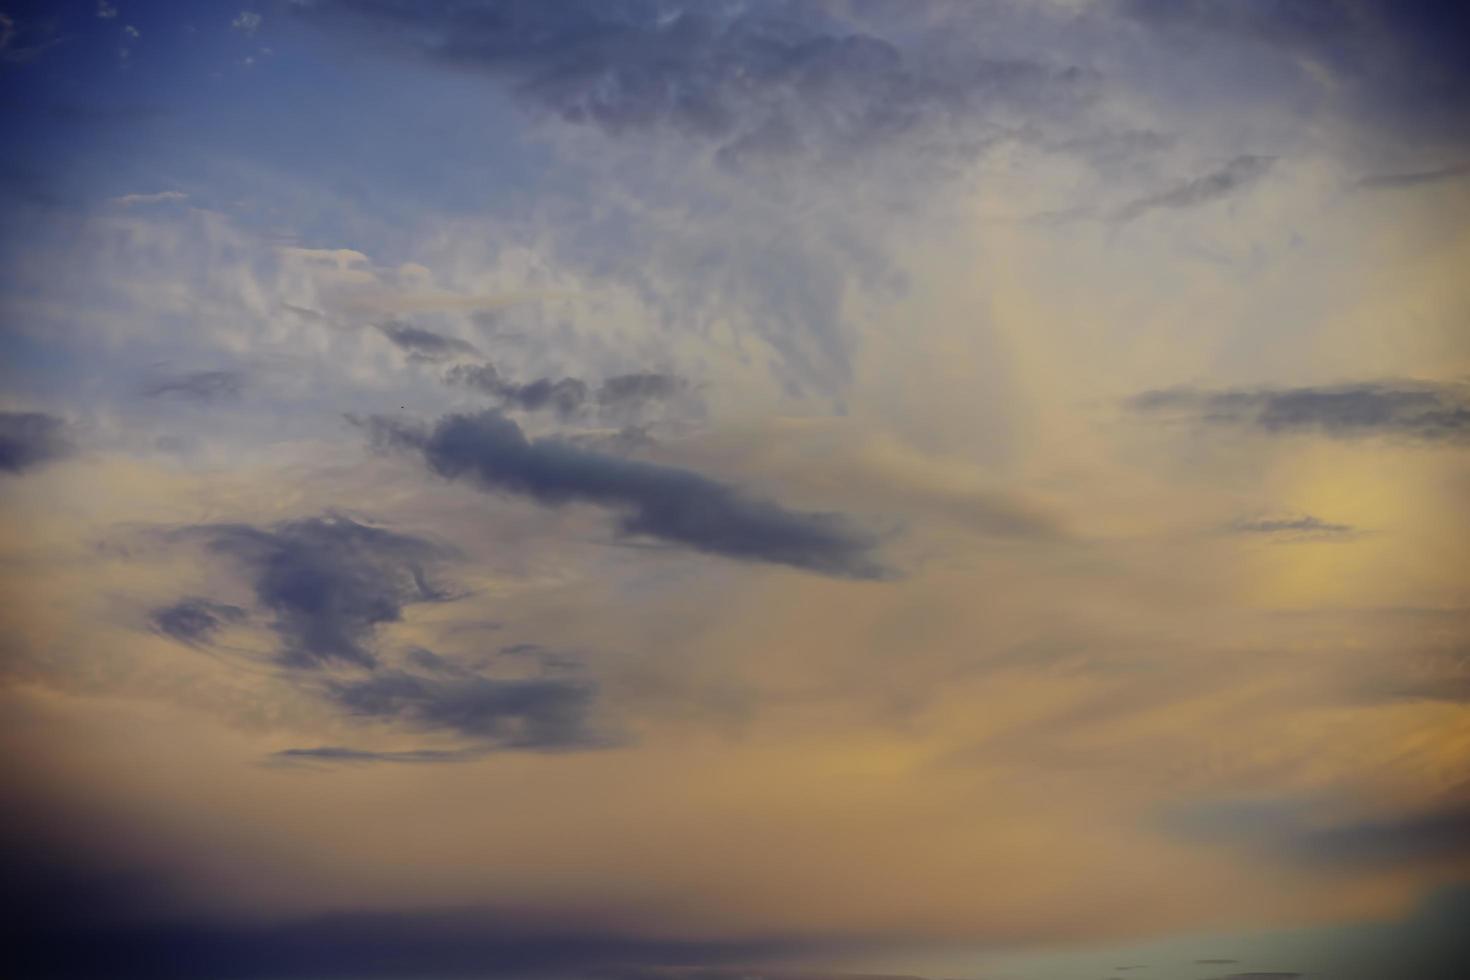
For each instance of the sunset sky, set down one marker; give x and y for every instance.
(733, 489)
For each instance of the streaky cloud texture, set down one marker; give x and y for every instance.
(1432, 413)
(1234, 176)
(663, 502)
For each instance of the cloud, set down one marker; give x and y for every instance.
(1418, 178)
(161, 197)
(565, 395)
(622, 396)
(193, 620)
(202, 386)
(1267, 975)
(425, 344)
(1236, 175)
(247, 22)
(1216, 962)
(1417, 410)
(1397, 63)
(339, 755)
(329, 581)
(1429, 836)
(1303, 526)
(761, 78)
(505, 713)
(28, 439)
(673, 505)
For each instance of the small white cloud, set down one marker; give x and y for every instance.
(129, 200)
(248, 21)
(106, 10)
(132, 31)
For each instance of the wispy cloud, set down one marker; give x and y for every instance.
(1431, 413)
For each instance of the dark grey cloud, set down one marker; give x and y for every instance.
(28, 439)
(1416, 178)
(565, 395)
(1234, 176)
(1216, 962)
(1266, 975)
(1304, 526)
(330, 581)
(662, 502)
(1438, 413)
(193, 620)
(1296, 832)
(1430, 836)
(622, 396)
(203, 386)
(758, 78)
(503, 713)
(425, 344)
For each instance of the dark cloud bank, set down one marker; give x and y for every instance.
(1431, 413)
(28, 439)
(662, 502)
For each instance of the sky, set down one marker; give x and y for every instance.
(781, 489)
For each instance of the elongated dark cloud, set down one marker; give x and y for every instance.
(1426, 837)
(28, 439)
(535, 713)
(673, 505)
(194, 620)
(1416, 178)
(760, 77)
(341, 755)
(329, 581)
(201, 386)
(425, 344)
(1438, 413)
(1236, 175)
(1303, 526)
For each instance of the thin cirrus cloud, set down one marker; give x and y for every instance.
(1420, 411)
(1239, 173)
(662, 502)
